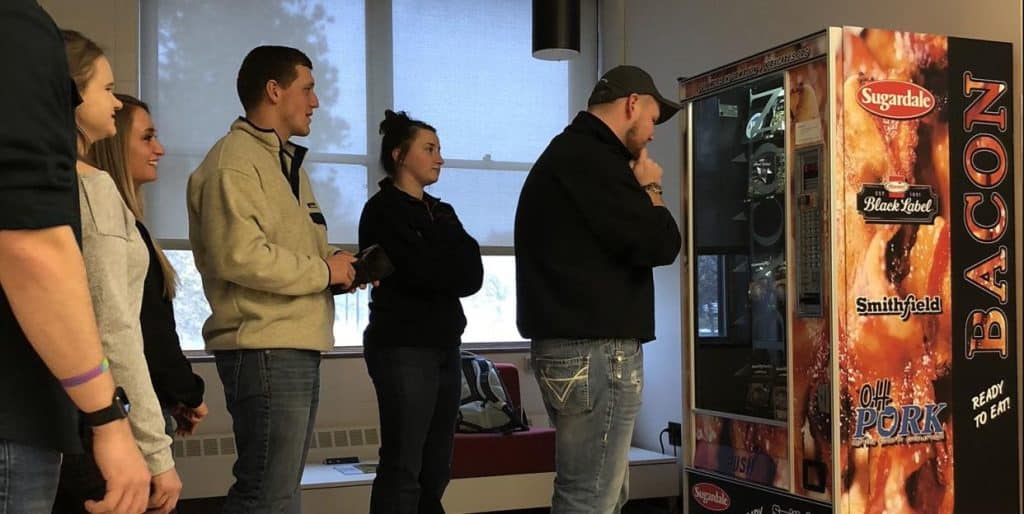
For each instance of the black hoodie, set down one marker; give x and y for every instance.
(587, 237)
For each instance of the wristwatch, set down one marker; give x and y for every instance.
(118, 409)
(653, 187)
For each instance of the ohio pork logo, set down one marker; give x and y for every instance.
(711, 497)
(895, 99)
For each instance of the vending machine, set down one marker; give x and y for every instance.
(850, 322)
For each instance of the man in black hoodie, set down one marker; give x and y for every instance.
(590, 226)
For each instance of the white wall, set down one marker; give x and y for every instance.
(113, 24)
(673, 38)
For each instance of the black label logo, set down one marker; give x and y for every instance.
(897, 202)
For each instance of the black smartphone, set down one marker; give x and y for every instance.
(372, 264)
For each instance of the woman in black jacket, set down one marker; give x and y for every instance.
(411, 344)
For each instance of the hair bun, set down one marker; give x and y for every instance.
(394, 121)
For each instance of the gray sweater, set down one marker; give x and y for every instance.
(116, 260)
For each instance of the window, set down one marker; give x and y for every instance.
(463, 66)
(722, 308)
(490, 313)
(710, 308)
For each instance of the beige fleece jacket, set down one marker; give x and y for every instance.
(260, 250)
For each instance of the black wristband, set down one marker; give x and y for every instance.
(118, 409)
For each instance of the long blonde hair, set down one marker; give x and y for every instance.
(110, 154)
(82, 53)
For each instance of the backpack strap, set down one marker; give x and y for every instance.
(469, 376)
(485, 382)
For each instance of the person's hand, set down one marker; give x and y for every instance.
(188, 419)
(122, 467)
(645, 169)
(375, 283)
(199, 413)
(342, 272)
(166, 491)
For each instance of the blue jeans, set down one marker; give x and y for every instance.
(418, 393)
(28, 478)
(591, 390)
(272, 396)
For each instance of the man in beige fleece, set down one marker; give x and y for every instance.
(260, 244)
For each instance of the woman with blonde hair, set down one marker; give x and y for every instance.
(115, 261)
(131, 158)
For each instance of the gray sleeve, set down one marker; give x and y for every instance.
(105, 247)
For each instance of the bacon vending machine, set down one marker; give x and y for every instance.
(850, 311)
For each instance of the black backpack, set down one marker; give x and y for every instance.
(485, 406)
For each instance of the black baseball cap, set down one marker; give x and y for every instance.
(625, 80)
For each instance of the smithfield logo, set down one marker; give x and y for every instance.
(904, 307)
(895, 99)
(711, 497)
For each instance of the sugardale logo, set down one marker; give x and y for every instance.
(897, 202)
(896, 306)
(711, 497)
(896, 99)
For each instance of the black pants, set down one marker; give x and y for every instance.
(80, 480)
(418, 392)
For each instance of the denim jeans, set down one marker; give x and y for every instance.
(418, 393)
(272, 396)
(28, 478)
(591, 390)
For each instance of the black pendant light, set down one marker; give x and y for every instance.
(556, 29)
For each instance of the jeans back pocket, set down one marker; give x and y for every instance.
(565, 383)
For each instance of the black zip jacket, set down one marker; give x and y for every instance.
(436, 263)
(173, 379)
(587, 237)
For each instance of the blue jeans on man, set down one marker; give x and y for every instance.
(272, 396)
(591, 390)
(28, 478)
